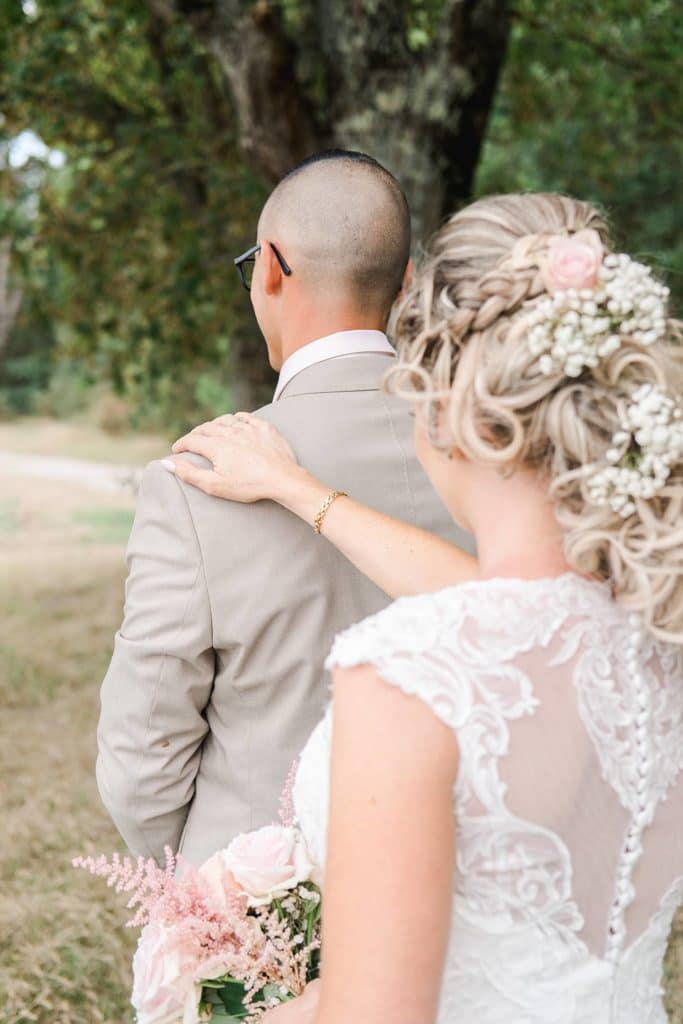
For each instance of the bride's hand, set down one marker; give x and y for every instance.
(297, 1011)
(250, 459)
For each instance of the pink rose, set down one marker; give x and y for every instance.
(164, 990)
(267, 863)
(573, 262)
(219, 883)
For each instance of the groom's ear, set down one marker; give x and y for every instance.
(271, 271)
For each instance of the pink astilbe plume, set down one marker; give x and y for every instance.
(155, 891)
(182, 903)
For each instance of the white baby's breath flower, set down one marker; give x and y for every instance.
(642, 452)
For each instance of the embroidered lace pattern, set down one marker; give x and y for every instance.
(569, 797)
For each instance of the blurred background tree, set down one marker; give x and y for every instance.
(127, 254)
(174, 118)
(590, 103)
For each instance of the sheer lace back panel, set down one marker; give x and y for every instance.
(569, 799)
(605, 806)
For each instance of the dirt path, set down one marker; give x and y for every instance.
(107, 478)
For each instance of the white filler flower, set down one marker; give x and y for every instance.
(642, 452)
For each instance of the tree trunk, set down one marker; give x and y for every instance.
(10, 298)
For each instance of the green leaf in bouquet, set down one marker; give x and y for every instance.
(226, 998)
(220, 1013)
(312, 919)
(277, 904)
(216, 1011)
(313, 968)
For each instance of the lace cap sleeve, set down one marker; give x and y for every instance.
(404, 643)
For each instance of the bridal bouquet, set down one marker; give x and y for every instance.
(225, 941)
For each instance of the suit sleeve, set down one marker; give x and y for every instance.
(159, 682)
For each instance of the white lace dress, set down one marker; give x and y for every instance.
(569, 797)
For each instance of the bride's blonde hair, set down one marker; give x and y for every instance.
(462, 350)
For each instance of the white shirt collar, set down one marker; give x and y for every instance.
(342, 343)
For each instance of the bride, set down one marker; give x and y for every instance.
(496, 791)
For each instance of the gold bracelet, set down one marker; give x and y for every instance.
(325, 507)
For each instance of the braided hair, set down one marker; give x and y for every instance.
(461, 331)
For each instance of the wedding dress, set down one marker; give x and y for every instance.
(569, 797)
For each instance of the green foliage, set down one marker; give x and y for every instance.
(590, 104)
(68, 391)
(132, 245)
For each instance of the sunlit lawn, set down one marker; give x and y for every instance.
(64, 954)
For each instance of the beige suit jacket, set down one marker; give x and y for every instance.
(216, 678)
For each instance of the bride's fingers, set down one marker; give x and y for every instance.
(227, 429)
(197, 443)
(187, 442)
(245, 419)
(313, 989)
(202, 429)
(230, 417)
(204, 479)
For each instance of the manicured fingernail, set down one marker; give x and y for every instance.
(168, 464)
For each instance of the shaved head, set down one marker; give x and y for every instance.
(343, 223)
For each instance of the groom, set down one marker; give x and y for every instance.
(216, 678)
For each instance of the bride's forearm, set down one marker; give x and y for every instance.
(401, 559)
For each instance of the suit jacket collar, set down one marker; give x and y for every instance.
(363, 372)
(340, 343)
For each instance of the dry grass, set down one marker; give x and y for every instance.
(64, 955)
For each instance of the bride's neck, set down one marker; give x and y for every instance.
(516, 530)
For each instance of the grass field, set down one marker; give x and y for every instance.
(64, 955)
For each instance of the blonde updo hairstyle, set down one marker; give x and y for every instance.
(461, 333)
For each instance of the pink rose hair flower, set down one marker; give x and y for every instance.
(573, 262)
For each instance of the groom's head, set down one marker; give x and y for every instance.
(340, 223)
